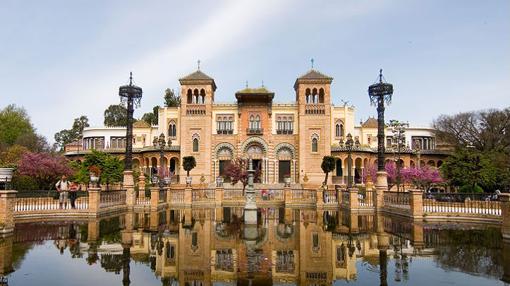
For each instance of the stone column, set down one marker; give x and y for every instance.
(129, 186)
(381, 186)
(93, 230)
(94, 200)
(505, 215)
(6, 255)
(141, 185)
(154, 198)
(7, 201)
(218, 196)
(188, 196)
(417, 236)
(416, 201)
(353, 199)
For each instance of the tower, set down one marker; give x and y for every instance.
(197, 97)
(314, 103)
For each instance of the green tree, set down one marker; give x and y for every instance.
(12, 155)
(152, 117)
(111, 168)
(171, 100)
(14, 122)
(470, 167)
(66, 136)
(328, 165)
(188, 163)
(115, 115)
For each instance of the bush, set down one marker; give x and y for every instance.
(470, 189)
(24, 183)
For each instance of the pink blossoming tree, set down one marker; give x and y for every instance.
(45, 168)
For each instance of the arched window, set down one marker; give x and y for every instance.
(314, 96)
(195, 144)
(321, 95)
(172, 129)
(189, 96)
(257, 122)
(337, 130)
(252, 122)
(314, 145)
(202, 96)
(307, 93)
(195, 96)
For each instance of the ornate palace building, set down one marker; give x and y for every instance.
(284, 140)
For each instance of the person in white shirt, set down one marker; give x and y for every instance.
(63, 188)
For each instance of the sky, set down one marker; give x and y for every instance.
(63, 59)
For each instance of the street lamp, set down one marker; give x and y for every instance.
(130, 95)
(160, 143)
(349, 143)
(379, 93)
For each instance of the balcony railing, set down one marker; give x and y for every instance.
(195, 109)
(254, 131)
(317, 109)
(225, 131)
(284, 132)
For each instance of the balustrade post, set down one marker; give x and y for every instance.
(218, 196)
(129, 185)
(287, 195)
(417, 236)
(6, 255)
(353, 199)
(93, 230)
(188, 196)
(505, 215)
(320, 196)
(416, 203)
(94, 200)
(141, 185)
(381, 186)
(154, 198)
(7, 202)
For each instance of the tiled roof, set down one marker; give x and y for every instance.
(257, 90)
(370, 123)
(141, 124)
(198, 77)
(313, 74)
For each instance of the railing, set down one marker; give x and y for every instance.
(142, 200)
(162, 195)
(270, 195)
(47, 203)
(461, 203)
(315, 109)
(203, 195)
(366, 199)
(397, 199)
(254, 131)
(305, 196)
(330, 197)
(233, 194)
(112, 198)
(195, 109)
(176, 196)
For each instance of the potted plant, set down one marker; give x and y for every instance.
(188, 163)
(94, 172)
(286, 180)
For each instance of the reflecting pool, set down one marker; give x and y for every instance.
(287, 247)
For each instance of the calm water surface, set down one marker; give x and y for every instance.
(288, 247)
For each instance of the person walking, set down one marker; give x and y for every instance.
(73, 195)
(63, 189)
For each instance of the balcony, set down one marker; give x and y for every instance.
(225, 131)
(285, 132)
(254, 131)
(315, 109)
(195, 109)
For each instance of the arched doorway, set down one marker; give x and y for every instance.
(224, 155)
(284, 156)
(357, 171)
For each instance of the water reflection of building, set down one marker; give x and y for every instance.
(302, 247)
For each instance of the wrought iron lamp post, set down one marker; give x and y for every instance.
(160, 143)
(131, 95)
(379, 93)
(349, 143)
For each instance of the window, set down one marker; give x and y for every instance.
(423, 142)
(172, 129)
(285, 261)
(285, 124)
(315, 241)
(194, 240)
(93, 143)
(225, 124)
(254, 123)
(195, 144)
(224, 260)
(389, 141)
(339, 129)
(314, 145)
(117, 142)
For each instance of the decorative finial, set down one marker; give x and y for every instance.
(380, 75)
(262, 83)
(198, 64)
(130, 78)
(311, 60)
